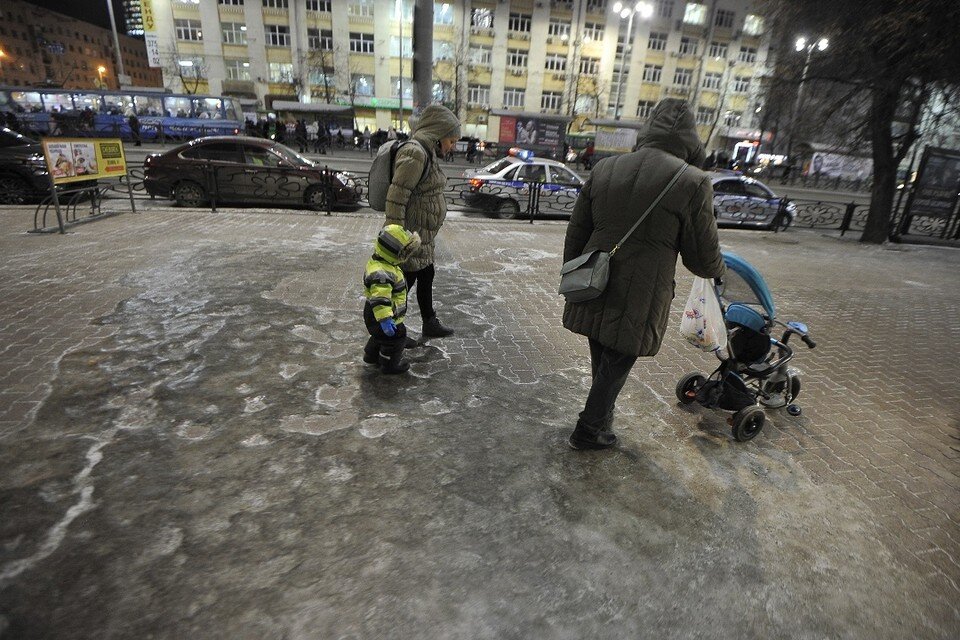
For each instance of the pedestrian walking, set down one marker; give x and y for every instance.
(366, 138)
(415, 201)
(134, 123)
(386, 299)
(629, 318)
(300, 130)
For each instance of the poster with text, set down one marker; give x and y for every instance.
(84, 159)
(937, 185)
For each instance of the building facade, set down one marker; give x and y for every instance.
(567, 57)
(45, 48)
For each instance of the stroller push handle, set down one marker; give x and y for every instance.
(807, 340)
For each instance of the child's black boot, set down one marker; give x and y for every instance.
(393, 362)
(371, 352)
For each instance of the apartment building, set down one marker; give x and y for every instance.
(39, 47)
(567, 57)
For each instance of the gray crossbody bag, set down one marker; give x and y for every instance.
(585, 277)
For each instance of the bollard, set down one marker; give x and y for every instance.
(847, 218)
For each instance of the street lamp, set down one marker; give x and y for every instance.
(100, 71)
(817, 44)
(645, 9)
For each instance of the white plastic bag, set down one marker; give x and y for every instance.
(702, 324)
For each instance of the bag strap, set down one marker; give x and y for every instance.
(653, 204)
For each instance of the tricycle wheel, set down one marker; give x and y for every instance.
(687, 387)
(747, 423)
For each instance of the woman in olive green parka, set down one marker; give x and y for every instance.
(629, 319)
(415, 201)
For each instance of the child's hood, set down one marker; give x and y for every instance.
(395, 244)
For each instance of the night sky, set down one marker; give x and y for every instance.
(94, 11)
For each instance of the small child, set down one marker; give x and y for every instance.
(386, 292)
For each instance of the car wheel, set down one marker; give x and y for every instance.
(316, 198)
(189, 194)
(508, 210)
(14, 190)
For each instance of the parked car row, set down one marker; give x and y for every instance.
(240, 169)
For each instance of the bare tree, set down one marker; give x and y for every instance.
(189, 70)
(885, 60)
(591, 86)
(320, 63)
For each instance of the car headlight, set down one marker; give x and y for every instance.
(37, 164)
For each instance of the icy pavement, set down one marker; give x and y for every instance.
(192, 447)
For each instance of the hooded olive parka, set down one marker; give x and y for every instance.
(414, 203)
(631, 316)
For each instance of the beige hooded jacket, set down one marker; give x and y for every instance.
(416, 204)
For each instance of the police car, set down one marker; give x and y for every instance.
(502, 188)
(739, 201)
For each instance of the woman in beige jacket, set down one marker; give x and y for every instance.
(415, 201)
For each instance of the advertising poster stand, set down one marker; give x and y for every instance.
(74, 160)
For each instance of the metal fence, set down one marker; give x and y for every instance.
(510, 200)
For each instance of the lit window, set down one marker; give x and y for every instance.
(481, 18)
(281, 72)
(753, 25)
(695, 13)
(442, 13)
(237, 69)
(360, 8)
(362, 84)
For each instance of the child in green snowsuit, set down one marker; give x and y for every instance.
(386, 292)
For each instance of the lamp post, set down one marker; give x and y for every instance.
(809, 46)
(645, 9)
(3, 54)
(100, 71)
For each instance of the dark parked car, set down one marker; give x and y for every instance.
(23, 172)
(245, 170)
